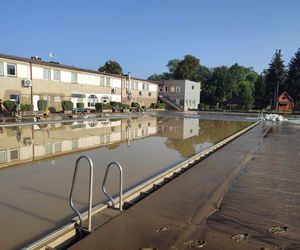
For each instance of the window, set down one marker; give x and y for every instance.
(177, 101)
(177, 89)
(147, 86)
(193, 87)
(73, 77)
(166, 88)
(74, 144)
(46, 98)
(57, 99)
(172, 89)
(132, 85)
(1, 69)
(2, 157)
(11, 69)
(92, 100)
(107, 83)
(46, 74)
(48, 149)
(14, 154)
(102, 81)
(57, 147)
(149, 94)
(136, 85)
(144, 86)
(56, 75)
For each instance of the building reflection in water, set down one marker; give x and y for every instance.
(187, 136)
(21, 144)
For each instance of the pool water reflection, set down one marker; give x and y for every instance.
(38, 163)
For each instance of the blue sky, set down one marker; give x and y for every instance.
(143, 35)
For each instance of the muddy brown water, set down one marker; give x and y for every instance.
(37, 164)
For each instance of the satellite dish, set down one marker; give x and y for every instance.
(51, 55)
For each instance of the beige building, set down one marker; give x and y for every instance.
(30, 80)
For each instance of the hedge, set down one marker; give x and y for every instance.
(42, 105)
(8, 104)
(135, 105)
(115, 104)
(158, 105)
(80, 105)
(26, 107)
(67, 105)
(161, 106)
(99, 106)
(125, 106)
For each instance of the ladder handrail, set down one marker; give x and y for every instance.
(91, 165)
(120, 186)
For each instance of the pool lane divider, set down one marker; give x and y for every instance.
(67, 234)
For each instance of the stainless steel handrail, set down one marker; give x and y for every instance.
(90, 192)
(120, 185)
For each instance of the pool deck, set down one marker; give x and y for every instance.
(248, 186)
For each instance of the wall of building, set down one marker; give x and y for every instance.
(192, 94)
(183, 92)
(53, 90)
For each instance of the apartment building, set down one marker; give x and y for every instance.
(183, 94)
(29, 80)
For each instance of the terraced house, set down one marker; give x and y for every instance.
(31, 79)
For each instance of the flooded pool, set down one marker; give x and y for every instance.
(37, 164)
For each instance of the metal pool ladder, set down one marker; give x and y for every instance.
(89, 228)
(91, 166)
(120, 185)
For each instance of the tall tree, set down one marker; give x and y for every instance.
(275, 78)
(260, 91)
(160, 77)
(293, 77)
(112, 67)
(188, 68)
(172, 65)
(220, 79)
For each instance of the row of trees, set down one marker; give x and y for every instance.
(227, 84)
(222, 85)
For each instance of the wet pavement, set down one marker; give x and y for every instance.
(244, 196)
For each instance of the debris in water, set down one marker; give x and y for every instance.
(195, 243)
(161, 229)
(240, 237)
(278, 229)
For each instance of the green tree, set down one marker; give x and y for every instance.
(112, 67)
(172, 65)
(293, 77)
(188, 68)
(260, 91)
(160, 77)
(275, 78)
(246, 90)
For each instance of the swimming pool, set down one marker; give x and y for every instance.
(38, 162)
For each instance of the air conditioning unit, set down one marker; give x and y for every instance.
(26, 83)
(113, 91)
(27, 141)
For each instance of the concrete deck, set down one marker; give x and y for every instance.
(263, 175)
